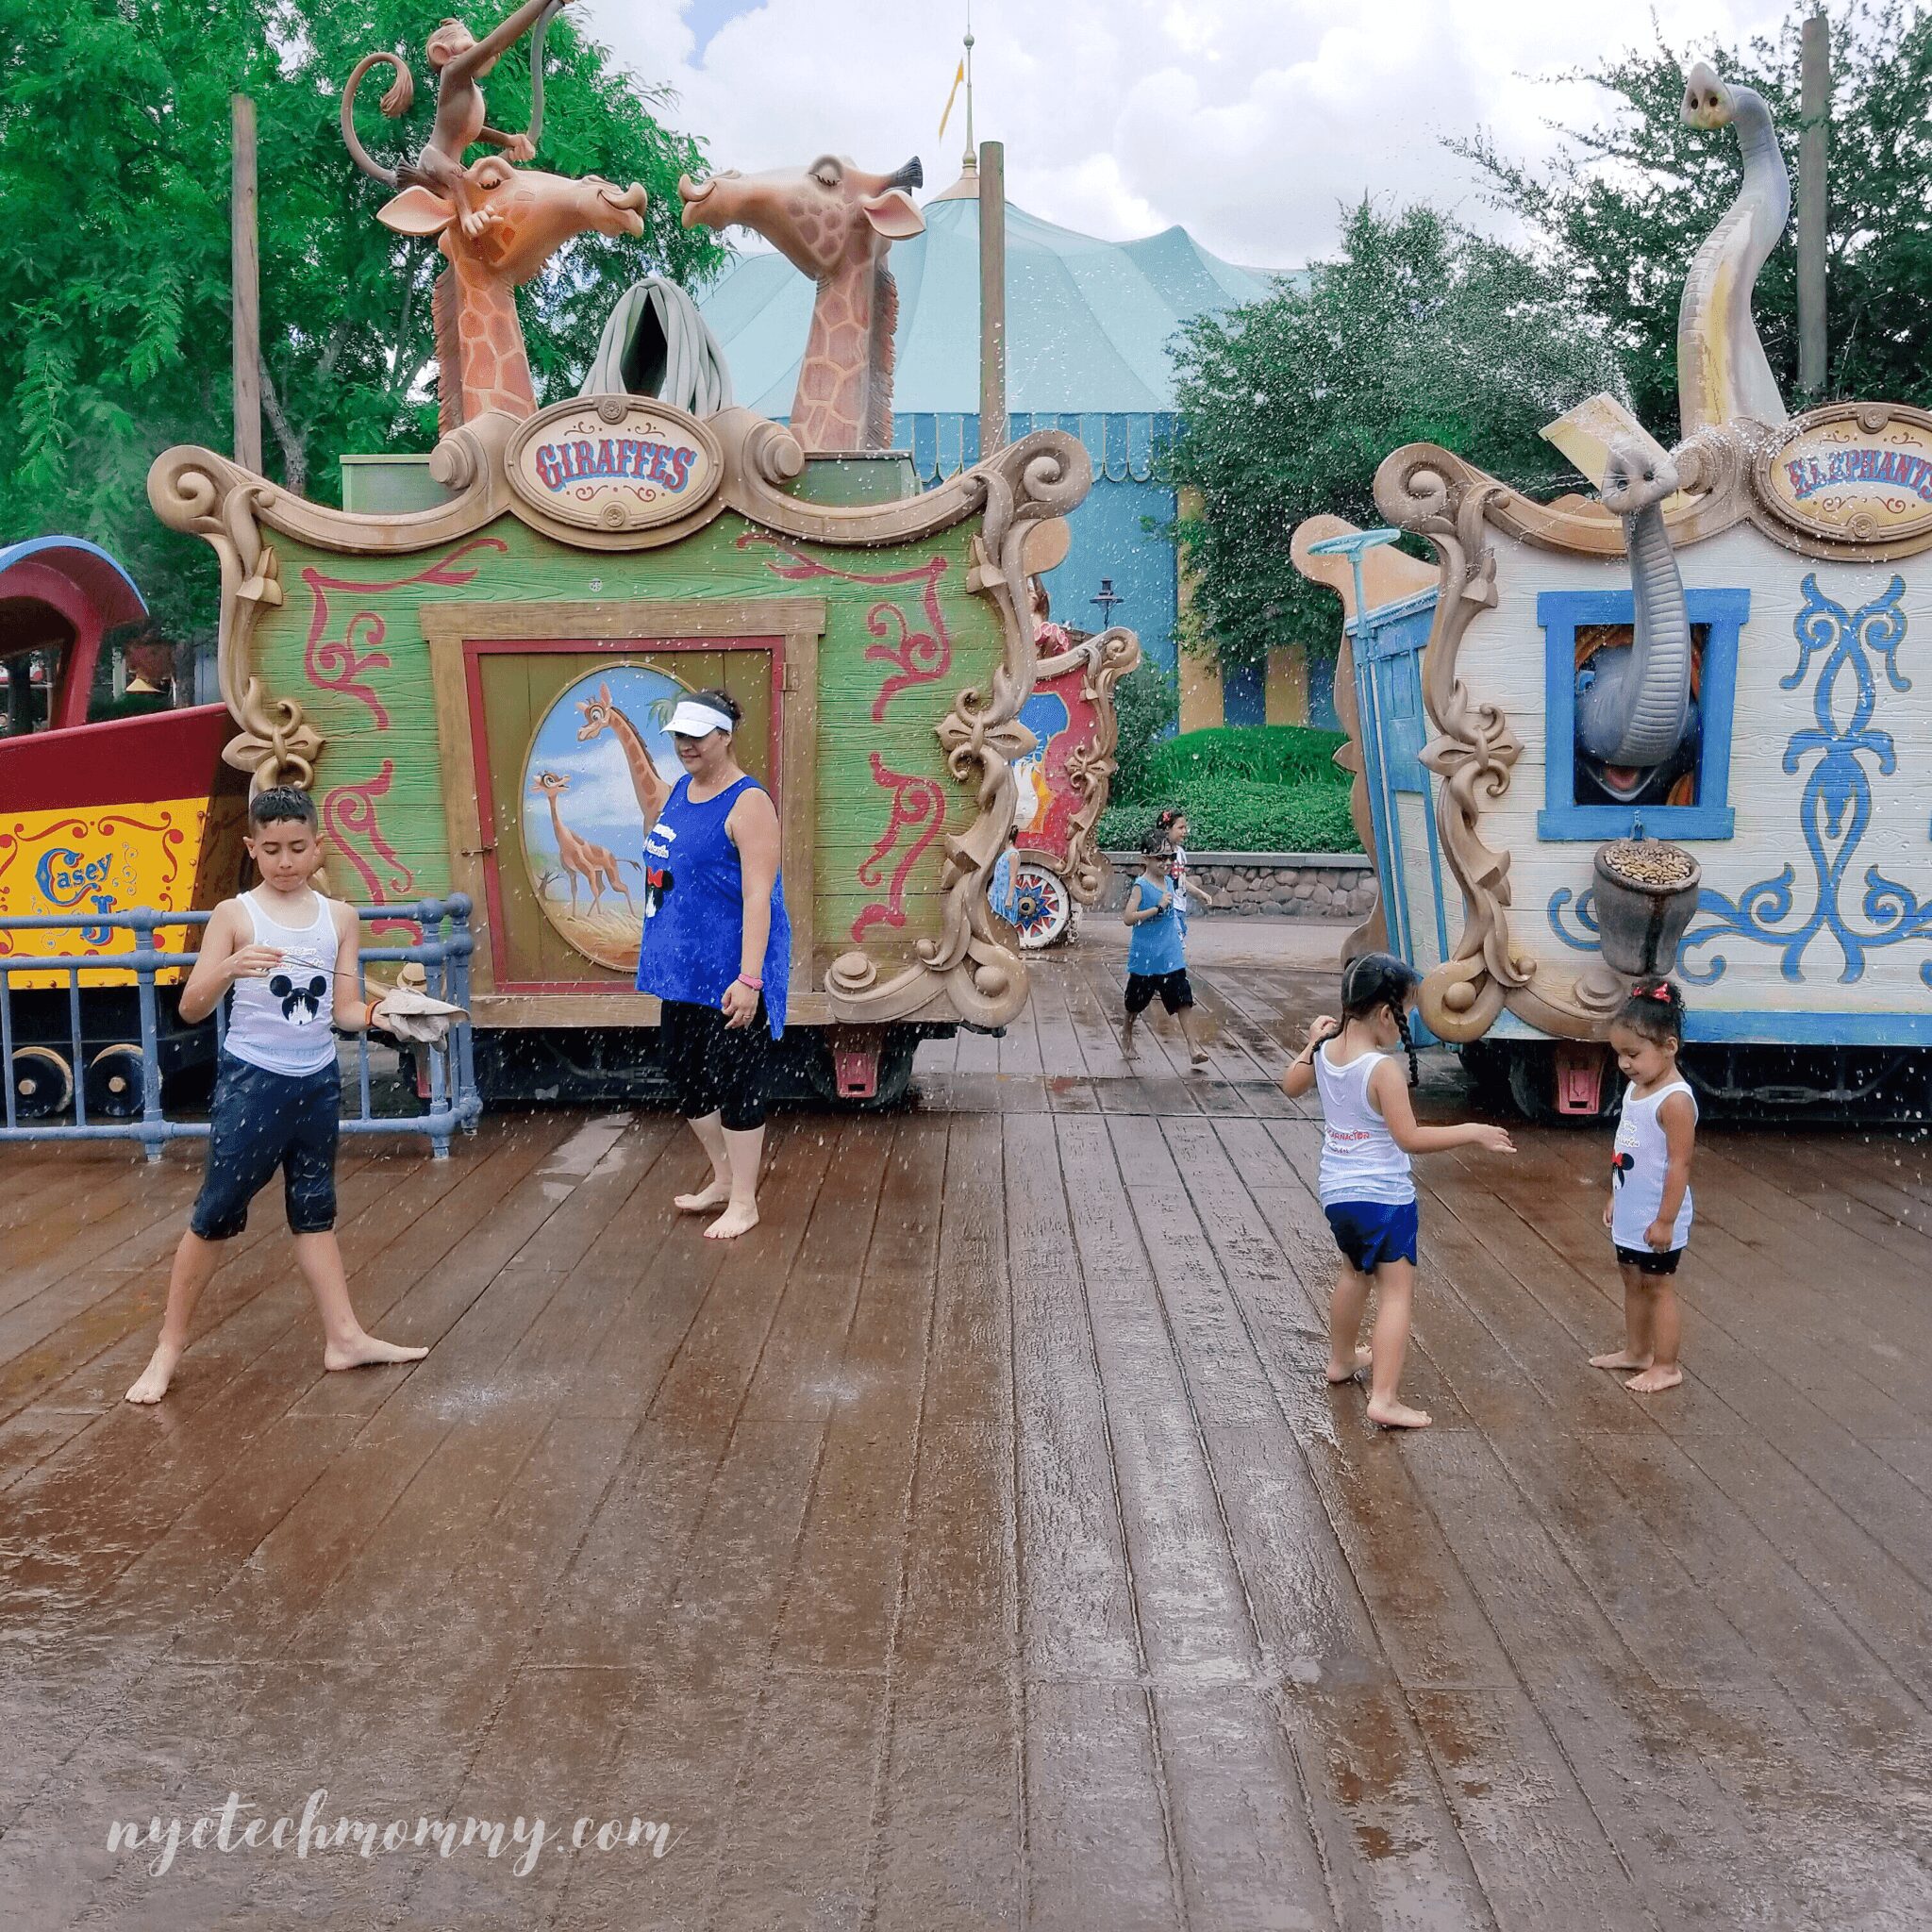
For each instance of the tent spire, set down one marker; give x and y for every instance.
(967, 186)
(972, 158)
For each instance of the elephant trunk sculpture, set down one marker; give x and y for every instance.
(1634, 713)
(1722, 373)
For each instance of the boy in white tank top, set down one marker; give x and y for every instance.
(1649, 1209)
(1369, 1131)
(286, 958)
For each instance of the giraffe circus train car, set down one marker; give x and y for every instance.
(471, 690)
(1722, 663)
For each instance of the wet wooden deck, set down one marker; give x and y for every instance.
(977, 1545)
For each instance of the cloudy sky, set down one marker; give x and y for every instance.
(1247, 121)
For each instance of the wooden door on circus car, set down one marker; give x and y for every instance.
(561, 732)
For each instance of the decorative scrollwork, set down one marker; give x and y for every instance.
(1474, 749)
(1835, 808)
(1105, 659)
(968, 967)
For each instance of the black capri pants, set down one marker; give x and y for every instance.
(261, 1121)
(714, 1068)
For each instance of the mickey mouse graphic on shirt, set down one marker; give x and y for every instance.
(293, 995)
(1621, 1164)
(657, 875)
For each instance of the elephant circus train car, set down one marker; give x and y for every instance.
(1730, 654)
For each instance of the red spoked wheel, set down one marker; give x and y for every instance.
(1044, 909)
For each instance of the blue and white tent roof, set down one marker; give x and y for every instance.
(1088, 321)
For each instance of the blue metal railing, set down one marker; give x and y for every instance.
(445, 956)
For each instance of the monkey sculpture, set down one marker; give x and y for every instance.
(462, 61)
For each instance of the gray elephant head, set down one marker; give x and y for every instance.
(1635, 720)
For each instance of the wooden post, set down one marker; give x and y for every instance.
(245, 276)
(1815, 104)
(993, 297)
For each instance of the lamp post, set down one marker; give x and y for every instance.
(1107, 598)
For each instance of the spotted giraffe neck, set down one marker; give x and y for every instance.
(480, 358)
(846, 376)
(644, 774)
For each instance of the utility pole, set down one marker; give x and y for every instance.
(992, 298)
(245, 277)
(1815, 106)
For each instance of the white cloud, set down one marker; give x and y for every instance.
(1247, 121)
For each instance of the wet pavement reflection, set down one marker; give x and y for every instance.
(976, 1545)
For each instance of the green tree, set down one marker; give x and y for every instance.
(1418, 330)
(1628, 200)
(114, 250)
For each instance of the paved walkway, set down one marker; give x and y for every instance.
(977, 1545)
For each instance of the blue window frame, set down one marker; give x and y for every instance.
(1721, 615)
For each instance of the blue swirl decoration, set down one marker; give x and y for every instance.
(1833, 811)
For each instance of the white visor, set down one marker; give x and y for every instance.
(693, 720)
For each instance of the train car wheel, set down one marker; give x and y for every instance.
(43, 1083)
(1044, 914)
(115, 1083)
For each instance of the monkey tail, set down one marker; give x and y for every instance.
(537, 39)
(397, 101)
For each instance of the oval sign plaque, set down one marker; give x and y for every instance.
(614, 463)
(1857, 472)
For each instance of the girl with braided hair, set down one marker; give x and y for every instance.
(1648, 1213)
(1369, 1131)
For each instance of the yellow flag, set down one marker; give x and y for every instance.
(957, 78)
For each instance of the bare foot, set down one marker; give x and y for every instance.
(732, 1223)
(1128, 1049)
(1659, 1377)
(154, 1378)
(367, 1350)
(1398, 1415)
(1361, 1361)
(1622, 1359)
(714, 1196)
(1198, 1057)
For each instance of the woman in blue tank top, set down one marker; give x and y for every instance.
(717, 952)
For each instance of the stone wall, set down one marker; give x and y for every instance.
(1312, 885)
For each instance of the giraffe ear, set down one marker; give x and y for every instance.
(416, 211)
(894, 214)
(603, 693)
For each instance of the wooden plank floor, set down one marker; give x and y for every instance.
(977, 1545)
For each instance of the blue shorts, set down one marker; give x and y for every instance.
(260, 1121)
(1371, 1232)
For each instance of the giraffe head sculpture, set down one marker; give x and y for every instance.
(834, 222)
(526, 216)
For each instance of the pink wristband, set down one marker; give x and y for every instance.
(756, 985)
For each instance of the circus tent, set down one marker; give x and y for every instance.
(1089, 328)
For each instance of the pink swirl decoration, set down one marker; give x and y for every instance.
(338, 663)
(921, 657)
(918, 806)
(349, 814)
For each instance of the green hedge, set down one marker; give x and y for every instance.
(1268, 754)
(1233, 814)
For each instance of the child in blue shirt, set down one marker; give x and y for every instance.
(1157, 948)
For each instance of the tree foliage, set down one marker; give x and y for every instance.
(1628, 200)
(1417, 330)
(114, 250)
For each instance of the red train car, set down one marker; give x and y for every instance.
(108, 817)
